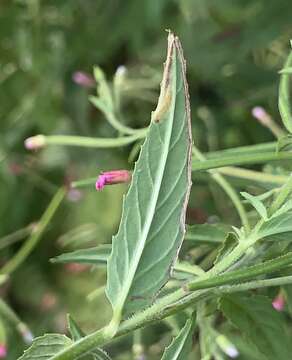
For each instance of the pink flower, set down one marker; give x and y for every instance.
(3, 351)
(112, 177)
(261, 115)
(83, 79)
(35, 142)
(279, 302)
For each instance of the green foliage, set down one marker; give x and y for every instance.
(45, 347)
(259, 323)
(181, 345)
(152, 224)
(234, 52)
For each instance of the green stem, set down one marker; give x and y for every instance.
(16, 236)
(282, 196)
(228, 190)
(247, 149)
(32, 241)
(242, 274)
(243, 159)
(284, 96)
(257, 284)
(84, 183)
(93, 142)
(177, 301)
(15, 321)
(252, 175)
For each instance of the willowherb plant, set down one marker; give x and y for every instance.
(146, 283)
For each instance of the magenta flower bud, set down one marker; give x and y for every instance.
(35, 142)
(279, 302)
(112, 177)
(3, 351)
(83, 79)
(261, 115)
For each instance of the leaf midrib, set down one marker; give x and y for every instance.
(155, 195)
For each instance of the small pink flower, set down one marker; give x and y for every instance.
(74, 195)
(83, 79)
(261, 115)
(112, 177)
(3, 351)
(279, 302)
(35, 142)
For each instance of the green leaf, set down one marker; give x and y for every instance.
(99, 255)
(284, 96)
(45, 347)
(283, 209)
(207, 233)
(260, 324)
(74, 330)
(153, 219)
(257, 204)
(276, 225)
(227, 246)
(95, 256)
(181, 345)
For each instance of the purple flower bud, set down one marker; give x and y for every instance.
(112, 177)
(279, 302)
(74, 195)
(3, 351)
(83, 79)
(261, 115)
(35, 142)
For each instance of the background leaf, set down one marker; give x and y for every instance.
(260, 324)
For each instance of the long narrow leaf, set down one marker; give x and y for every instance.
(153, 218)
(181, 346)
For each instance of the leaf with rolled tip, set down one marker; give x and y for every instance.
(152, 226)
(76, 334)
(181, 345)
(93, 256)
(45, 347)
(284, 95)
(260, 323)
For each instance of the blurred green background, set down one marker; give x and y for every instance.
(234, 50)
